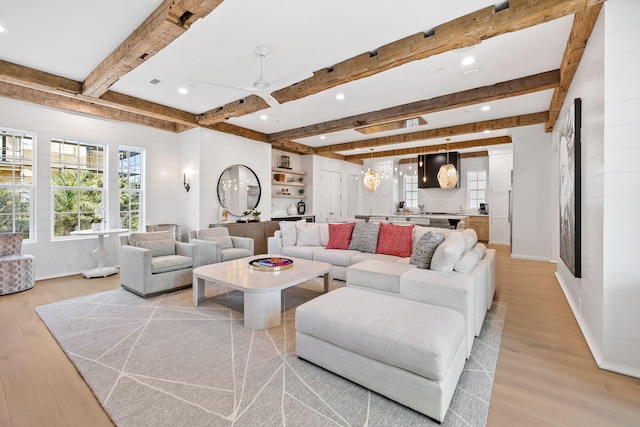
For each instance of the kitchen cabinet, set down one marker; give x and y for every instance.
(480, 223)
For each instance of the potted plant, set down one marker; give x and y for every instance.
(97, 219)
(301, 191)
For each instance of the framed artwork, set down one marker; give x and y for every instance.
(570, 212)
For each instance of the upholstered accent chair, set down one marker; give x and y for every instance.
(153, 263)
(17, 270)
(174, 229)
(215, 245)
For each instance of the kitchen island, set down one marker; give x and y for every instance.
(435, 217)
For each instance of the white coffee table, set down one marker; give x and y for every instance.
(262, 303)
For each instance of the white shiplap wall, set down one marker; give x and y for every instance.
(605, 300)
(621, 231)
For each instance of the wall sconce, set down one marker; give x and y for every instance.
(185, 183)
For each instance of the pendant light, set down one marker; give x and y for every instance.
(447, 175)
(424, 169)
(371, 179)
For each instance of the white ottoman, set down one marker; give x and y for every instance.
(408, 351)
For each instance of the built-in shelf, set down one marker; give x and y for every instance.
(289, 184)
(291, 171)
(291, 196)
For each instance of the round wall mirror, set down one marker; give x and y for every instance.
(238, 189)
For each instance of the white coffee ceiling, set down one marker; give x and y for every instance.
(70, 38)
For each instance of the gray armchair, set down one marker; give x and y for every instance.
(215, 245)
(17, 270)
(153, 263)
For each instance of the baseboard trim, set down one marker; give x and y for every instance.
(620, 368)
(596, 353)
(530, 258)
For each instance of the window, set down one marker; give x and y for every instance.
(411, 191)
(77, 185)
(16, 181)
(476, 188)
(130, 184)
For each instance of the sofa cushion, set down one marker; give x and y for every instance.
(365, 237)
(339, 257)
(448, 253)
(163, 264)
(305, 252)
(470, 238)
(324, 233)
(289, 233)
(205, 233)
(10, 244)
(380, 275)
(308, 234)
(467, 262)
(225, 242)
(480, 249)
(134, 238)
(361, 256)
(159, 247)
(340, 235)
(425, 248)
(395, 240)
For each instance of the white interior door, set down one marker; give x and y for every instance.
(330, 196)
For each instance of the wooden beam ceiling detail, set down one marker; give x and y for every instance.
(39, 80)
(516, 87)
(465, 31)
(496, 124)
(238, 131)
(583, 23)
(238, 108)
(453, 146)
(168, 22)
(48, 99)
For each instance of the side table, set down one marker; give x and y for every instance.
(100, 253)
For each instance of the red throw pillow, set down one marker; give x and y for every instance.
(395, 240)
(340, 235)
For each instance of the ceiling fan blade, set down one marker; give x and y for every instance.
(246, 89)
(273, 103)
(289, 80)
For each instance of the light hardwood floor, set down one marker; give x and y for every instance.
(546, 375)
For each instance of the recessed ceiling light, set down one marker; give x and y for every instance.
(183, 90)
(468, 60)
(323, 137)
(487, 131)
(340, 96)
(263, 117)
(486, 108)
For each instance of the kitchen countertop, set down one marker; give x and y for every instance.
(436, 215)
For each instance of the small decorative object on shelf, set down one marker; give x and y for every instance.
(284, 162)
(97, 221)
(250, 216)
(300, 179)
(270, 264)
(292, 209)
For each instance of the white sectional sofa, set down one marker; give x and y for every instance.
(469, 292)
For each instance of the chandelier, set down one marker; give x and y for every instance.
(447, 175)
(371, 178)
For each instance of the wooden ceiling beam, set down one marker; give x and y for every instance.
(453, 146)
(241, 107)
(465, 31)
(583, 23)
(496, 124)
(34, 96)
(168, 22)
(39, 80)
(516, 87)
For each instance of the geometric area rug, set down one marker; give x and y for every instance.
(161, 361)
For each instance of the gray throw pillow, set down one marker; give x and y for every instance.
(365, 237)
(425, 248)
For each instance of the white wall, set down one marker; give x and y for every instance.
(531, 217)
(72, 255)
(605, 300)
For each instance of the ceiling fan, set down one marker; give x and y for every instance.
(262, 87)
